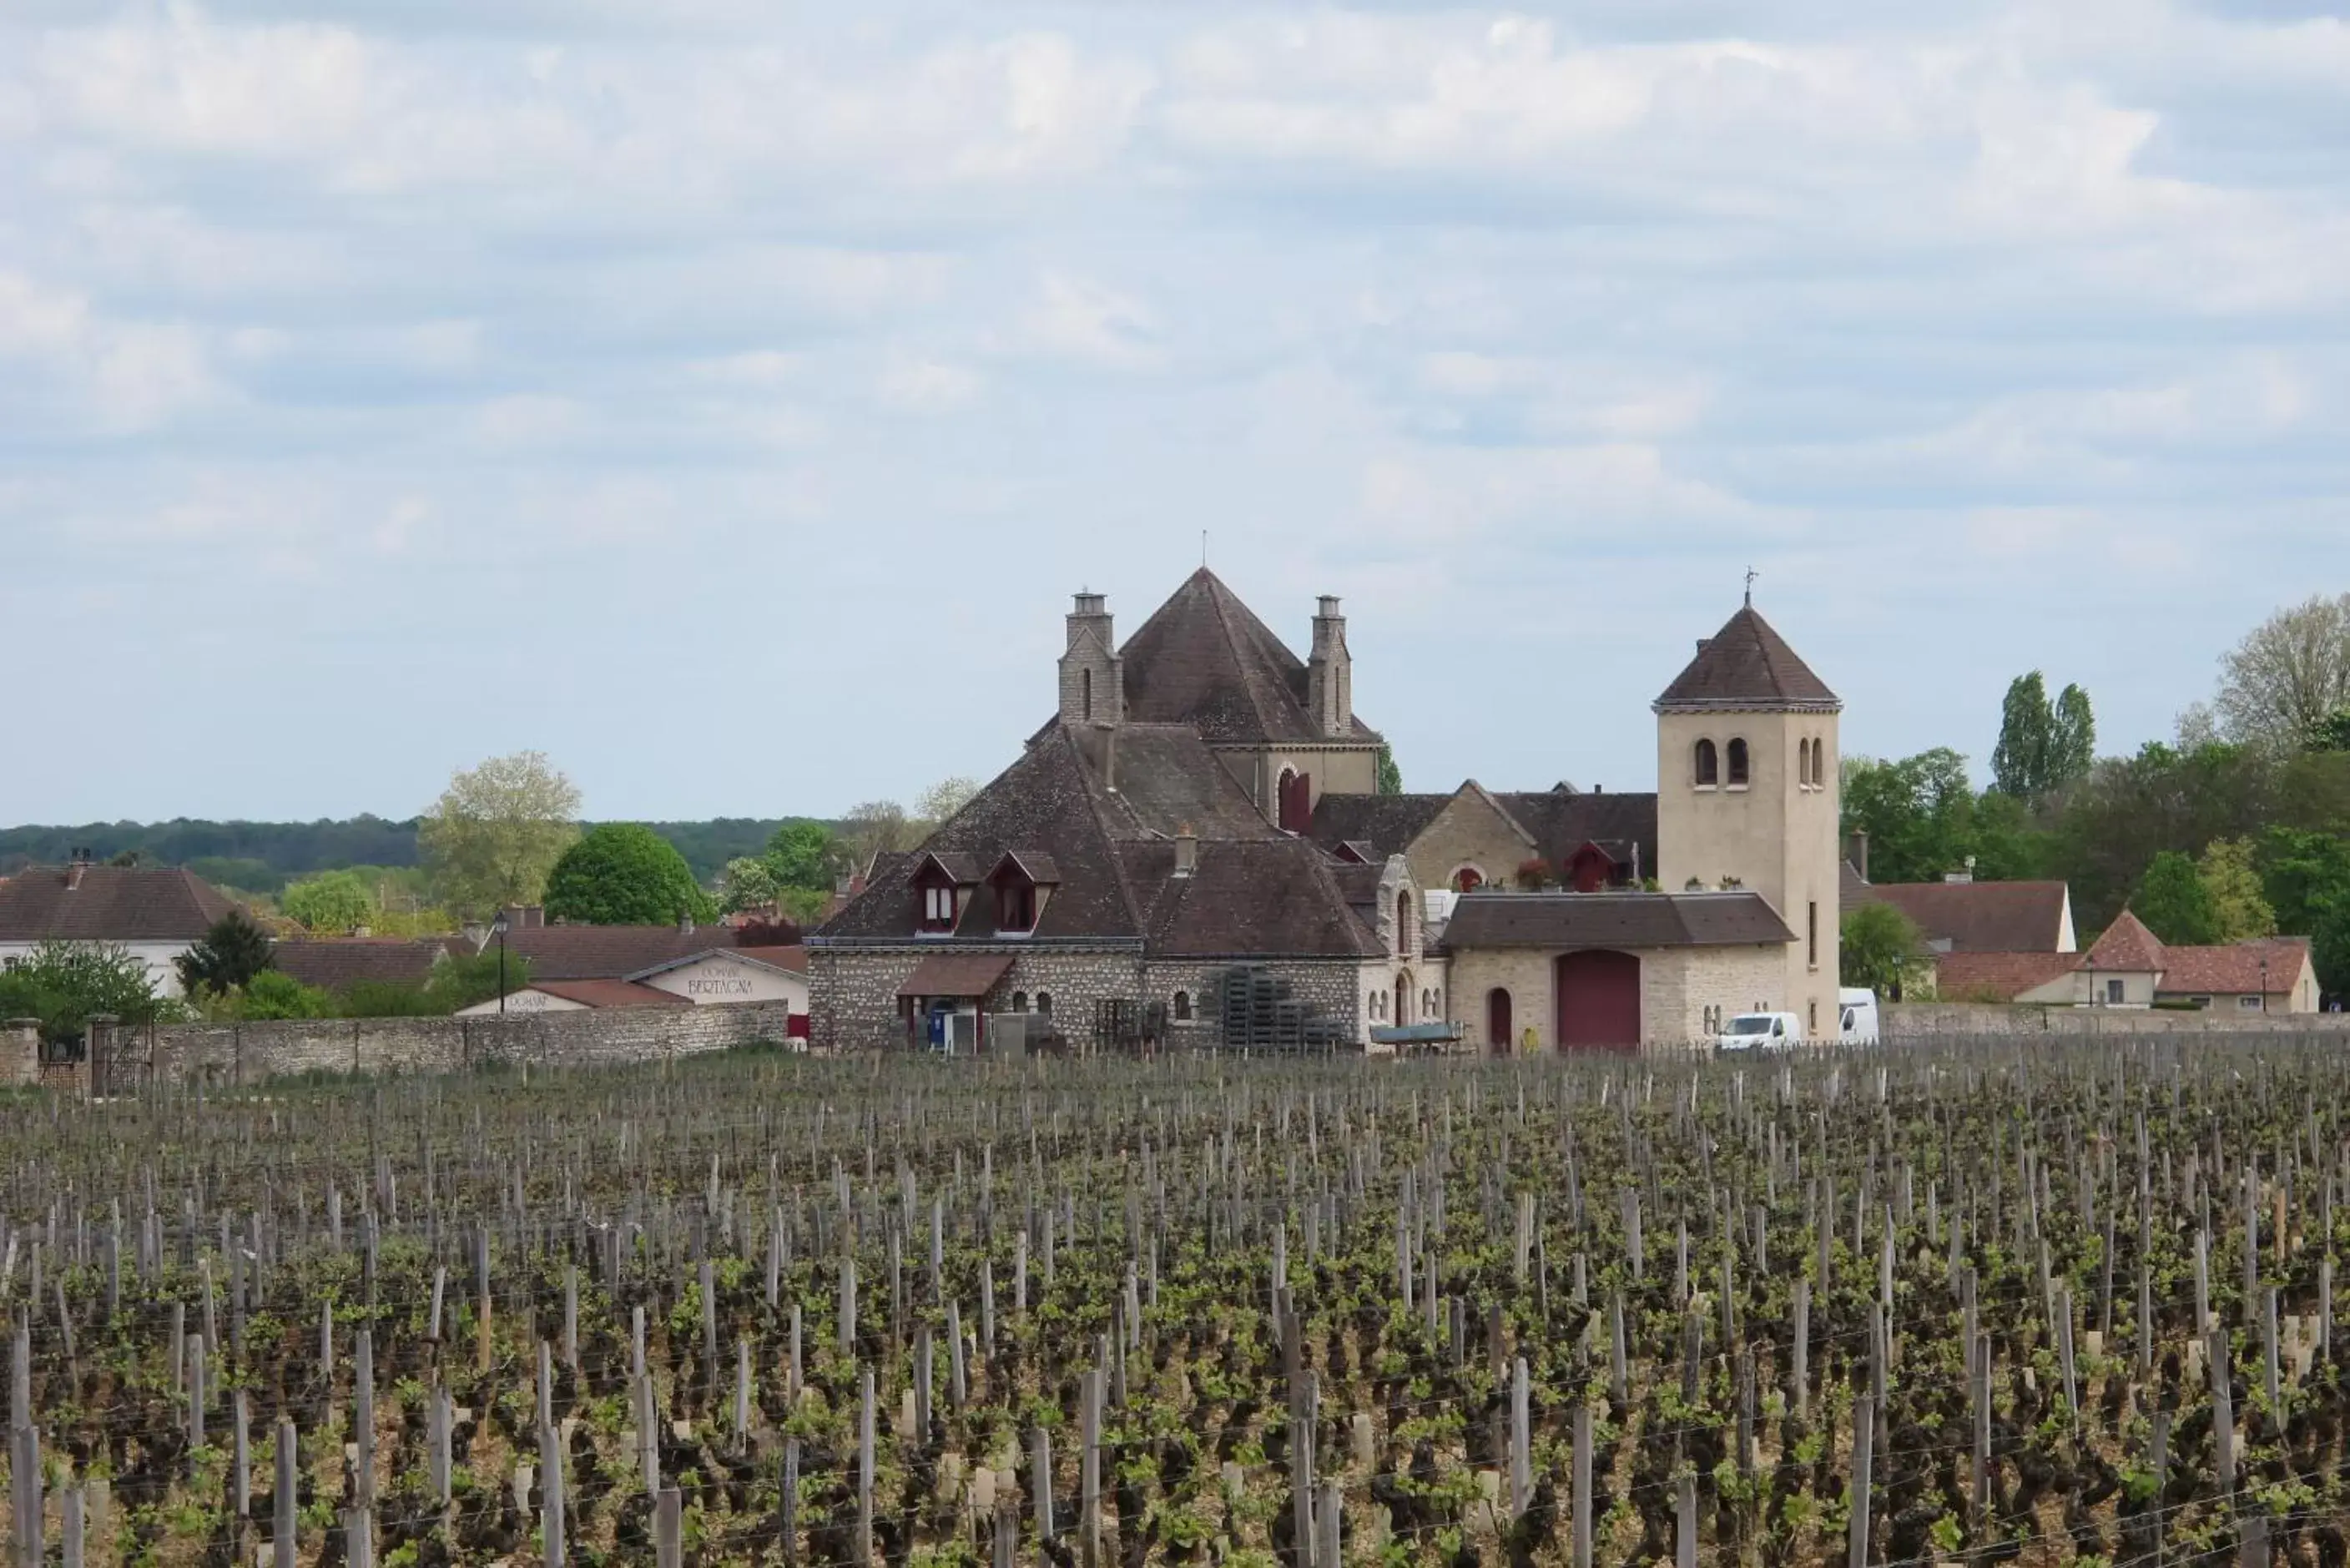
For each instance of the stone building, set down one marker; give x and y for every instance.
(1129, 879)
(1195, 844)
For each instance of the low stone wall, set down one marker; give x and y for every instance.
(249, 1052)
(1928, 1019)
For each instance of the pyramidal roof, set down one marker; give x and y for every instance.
(1747, 665)
(1203, 659)
(2126, 946)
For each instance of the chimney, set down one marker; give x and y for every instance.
(1330, 671)
(1703, 643)
(1856, 851)
(1964, 877)
(76, 864)
(534, 916)
(1187, 851)
(1093, 677)
(685, 923)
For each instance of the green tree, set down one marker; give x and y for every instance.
(801, 855)
(1388, 777)
(624, 874)
(878, 828)
(2174, 902)
(1880, 947)
(748, 882)
(2073, 742)
(2329, 949)
(232, 952)
(1917, 813)
(2113, 824)
(2240, 910)
(274, 994)
(497, 831)
(2289, 673)
(2331, 733)
(64, 985)
(2304, 874)
(336, 902)
(2020, 762)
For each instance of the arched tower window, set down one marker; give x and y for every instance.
(1738, 769)
(1403, 924)
(1708, 765)
(1803, 764)
(1085, 684)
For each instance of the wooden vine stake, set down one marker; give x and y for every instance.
(1864, 1438)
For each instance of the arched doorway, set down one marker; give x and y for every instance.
(1497, 1021)
(1599, 1002)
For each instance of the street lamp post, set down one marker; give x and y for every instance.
(498, 930)
(2264, 981)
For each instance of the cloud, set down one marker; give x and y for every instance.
(1992, 332)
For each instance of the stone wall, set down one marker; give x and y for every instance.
(249, 1052)
(1678, 984)
(20, 1054)
(853, 992)
(1928, 1019)
(1468, 832)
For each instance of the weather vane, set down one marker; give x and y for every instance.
(1750, 575)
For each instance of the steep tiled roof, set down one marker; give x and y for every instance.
(1979, 916)
(1389, 823)
(1746, 665)
(2127, 946)
(1562, 921)
(605, 952)
(110, 904)
(1204, 659)
(1254, 891)
(1563, 820)
(1999, 976)
(2236, 970)
(339, 963)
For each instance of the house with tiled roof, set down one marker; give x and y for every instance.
(1194, 845)
(2129, 966)
(155, 913)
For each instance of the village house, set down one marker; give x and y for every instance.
(2129, 966)
(154, 913)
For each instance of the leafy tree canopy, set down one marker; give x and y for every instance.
(747, 883)
(2239, 909)
(624, 874)
(801, 855)
(64, 985)
(497, 831)
(1389, 777)
(1880, 947)
(333, 903)
(2174, 902)
(231, 953)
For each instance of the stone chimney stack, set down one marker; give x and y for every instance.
(1330, 671)
(1856, 851)
(1093, 677)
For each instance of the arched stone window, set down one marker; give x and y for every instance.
(1019, 1001)
(1467, 879)
(1183, 1007)
(1085, 684)
(1708, 765)
(1404, 933)
(1737, 766)
(1045, 1002)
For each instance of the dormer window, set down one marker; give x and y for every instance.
(1022, 882)
(1708, 765)
(1738, 769)
(938, 906)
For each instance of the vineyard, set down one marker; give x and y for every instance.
(1973, 1304)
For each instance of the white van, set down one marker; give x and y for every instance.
(1856, 1017)
(1761, 1032)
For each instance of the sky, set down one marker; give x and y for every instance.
(724, 396)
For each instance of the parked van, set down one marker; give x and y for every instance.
(1857, 1016)
(1761, 1032)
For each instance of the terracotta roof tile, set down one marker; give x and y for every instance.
(1998, 976)
(2127, 947)
(338, 963)
(609, 993)
(607, 952)
(2235, 969)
